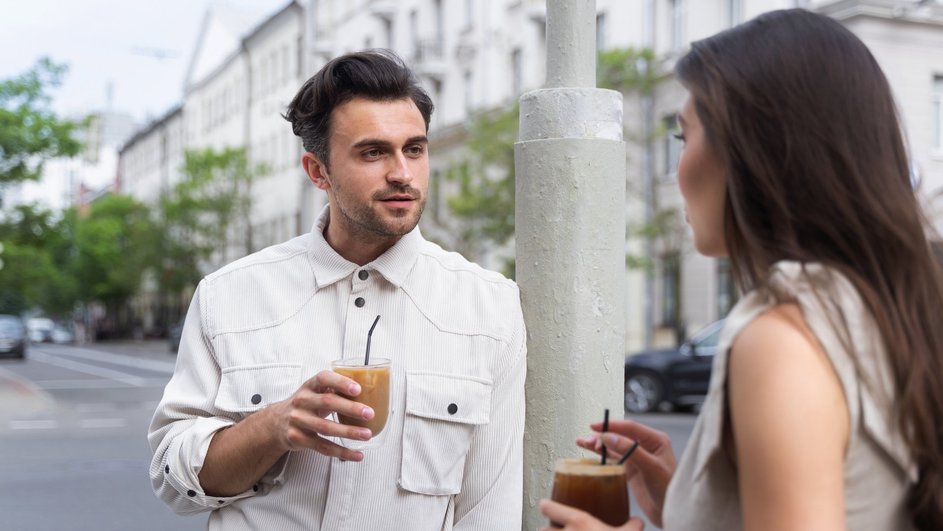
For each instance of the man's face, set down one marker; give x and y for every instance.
(379, 168)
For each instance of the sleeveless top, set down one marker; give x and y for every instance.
(878, 470)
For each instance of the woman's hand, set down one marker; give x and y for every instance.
(648, 469)
(577, 520)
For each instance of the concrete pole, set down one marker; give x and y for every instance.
(570, 167)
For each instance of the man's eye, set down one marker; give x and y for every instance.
(415, 150)
(372, 154)
(678, 135)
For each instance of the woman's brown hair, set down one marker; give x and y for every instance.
(804, 120)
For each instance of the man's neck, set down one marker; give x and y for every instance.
(355, 246)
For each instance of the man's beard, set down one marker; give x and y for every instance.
(365, 220)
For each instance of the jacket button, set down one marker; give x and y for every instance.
(363, 274)
(191, 493)
(167, 469)
(256, 399)
(360, 302)
(452, 409)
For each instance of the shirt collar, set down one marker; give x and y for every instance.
(330, 267)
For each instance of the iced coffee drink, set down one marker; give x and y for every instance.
(374, 380)
(598, 489)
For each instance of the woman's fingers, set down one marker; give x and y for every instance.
(563, 516)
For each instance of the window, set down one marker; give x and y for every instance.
(469, 92)
(670, 289)
(734, 15)
(388, 33)
(286, 64)
(517, 73)
(439, 27)
(600, 32)
(938, 112)
(677, 24)
(414, 31)
(469, 14)
(672, 144)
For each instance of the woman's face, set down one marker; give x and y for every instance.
(703, 184)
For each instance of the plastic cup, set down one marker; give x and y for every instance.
(375, 391)
(600, 490)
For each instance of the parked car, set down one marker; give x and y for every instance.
(173, 335)
(61, 335)
(12, 337)
(40, 329)
(673, 377)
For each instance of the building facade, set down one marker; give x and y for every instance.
(474, 56)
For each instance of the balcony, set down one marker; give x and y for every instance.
(429, 58)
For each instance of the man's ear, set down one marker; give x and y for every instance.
(316, 170)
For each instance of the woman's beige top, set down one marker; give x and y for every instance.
(704, 493)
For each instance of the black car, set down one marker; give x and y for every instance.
(12, 336)
(674, 377)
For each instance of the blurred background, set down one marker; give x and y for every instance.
(142, 147)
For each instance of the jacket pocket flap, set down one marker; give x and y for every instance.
(251, 387)
(448, 397)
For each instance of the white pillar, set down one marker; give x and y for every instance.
(570, 236)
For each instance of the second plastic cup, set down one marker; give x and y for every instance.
(600, 490)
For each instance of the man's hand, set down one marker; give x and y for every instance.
(241, 454)
(302, 421)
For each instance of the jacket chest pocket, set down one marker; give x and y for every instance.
(248, 388)
(442, 412)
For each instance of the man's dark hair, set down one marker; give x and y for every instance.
(378, 75)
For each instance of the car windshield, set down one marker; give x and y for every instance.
(9, 325)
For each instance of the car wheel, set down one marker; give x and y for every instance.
(644, 392)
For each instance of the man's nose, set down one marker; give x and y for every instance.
(400, 172)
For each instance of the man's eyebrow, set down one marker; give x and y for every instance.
(376, 142)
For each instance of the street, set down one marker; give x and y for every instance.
(73, 448)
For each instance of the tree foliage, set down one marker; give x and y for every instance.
(114, 244)
(30, 132)
(37, 252)
(201, 212)
(484, 200)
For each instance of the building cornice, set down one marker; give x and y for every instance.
(892, 10)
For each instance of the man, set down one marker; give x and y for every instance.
(245, 426)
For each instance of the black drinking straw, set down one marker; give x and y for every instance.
(605, 428)
(366, 358)
(628, 452)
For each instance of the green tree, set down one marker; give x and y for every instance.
(637, 72)
(483, 203)
(484, 200)
(30, 132)
(203, 213)
(114, 243)
(36, 261)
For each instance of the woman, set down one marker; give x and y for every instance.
(826, 397)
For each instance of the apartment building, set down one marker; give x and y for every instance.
(477, 55)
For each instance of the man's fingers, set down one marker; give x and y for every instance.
(324, 404)
(330, 381)
(311, 423)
